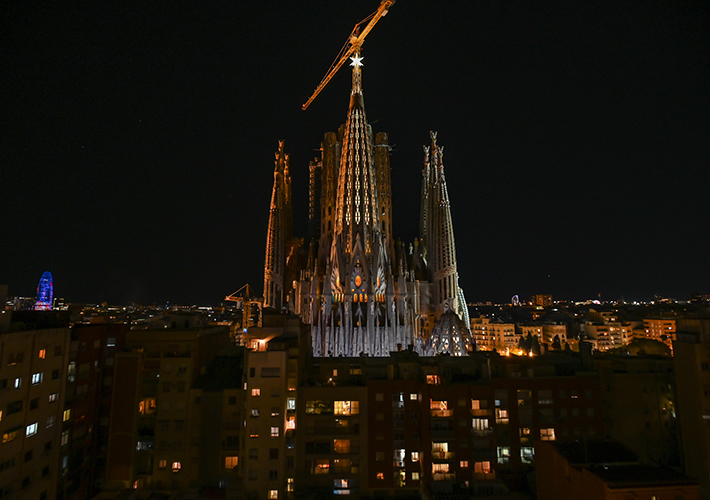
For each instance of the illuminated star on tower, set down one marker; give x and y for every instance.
(356, 60)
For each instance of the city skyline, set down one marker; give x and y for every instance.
(138, 143)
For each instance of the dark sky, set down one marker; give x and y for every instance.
(137, 140)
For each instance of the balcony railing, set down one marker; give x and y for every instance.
(442, 413)
(442, 455)
(443, 476)
(481, 412)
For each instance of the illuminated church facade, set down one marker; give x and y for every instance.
(362, 292)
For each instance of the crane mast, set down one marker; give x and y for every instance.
(352, 45)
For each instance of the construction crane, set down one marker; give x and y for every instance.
(251, 307)
(352, 45)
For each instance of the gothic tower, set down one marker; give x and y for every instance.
(280, 232)
(356, 308)
(437, 234)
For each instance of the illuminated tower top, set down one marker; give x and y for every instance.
(45, 293)
(356, 207)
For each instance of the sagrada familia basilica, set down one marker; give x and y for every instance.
(362, 292)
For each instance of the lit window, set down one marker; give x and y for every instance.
(399, 457)
(432, 379)
(440, 408)
(255, 435)
(480, 426)
(274, 432)
(255, 412)
(321, 466)
(482, 467)
(291, 423)
(415, 456)
(291, 404)
(413, 396)
(503, 453)
(67, 415)
(31, 430)
(18, 382)
(501, 416)
(42, 353)
(440, 450)
(256, 392)
(53, 397)
(381, 475)
(526, 454)
(318, 407)
(10, 435)
(273, 494)
(65, 437)
(230, 462)
(289, 484)
(341, 483)
(162, 464)
(415, 476)
(439, 468)
(341, 446)
(36, 378)
(547, 434)
(524, 434)
(177, 466)
(335, 373)
(463, 464)
(347, 407)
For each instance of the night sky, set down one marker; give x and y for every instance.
(137, 140)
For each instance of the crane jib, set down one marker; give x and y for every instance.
(355, 40)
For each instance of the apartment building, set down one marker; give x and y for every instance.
(33, 452)
(148, 443)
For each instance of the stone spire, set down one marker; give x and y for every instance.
(356, 205)
(279, 233)
(437, 232)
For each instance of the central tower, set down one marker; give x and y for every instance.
(356, 208)
(355, 313)
(362, 293)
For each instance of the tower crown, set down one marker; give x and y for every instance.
(356, 208)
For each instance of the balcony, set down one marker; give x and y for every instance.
(442, 413)
(484, 433)
(443, 476)
(442, 455)
(481, 412)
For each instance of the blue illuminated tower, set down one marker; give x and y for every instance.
(45, 293)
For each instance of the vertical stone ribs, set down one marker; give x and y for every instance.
(280, 232)
(437, 233)
(357, 186)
